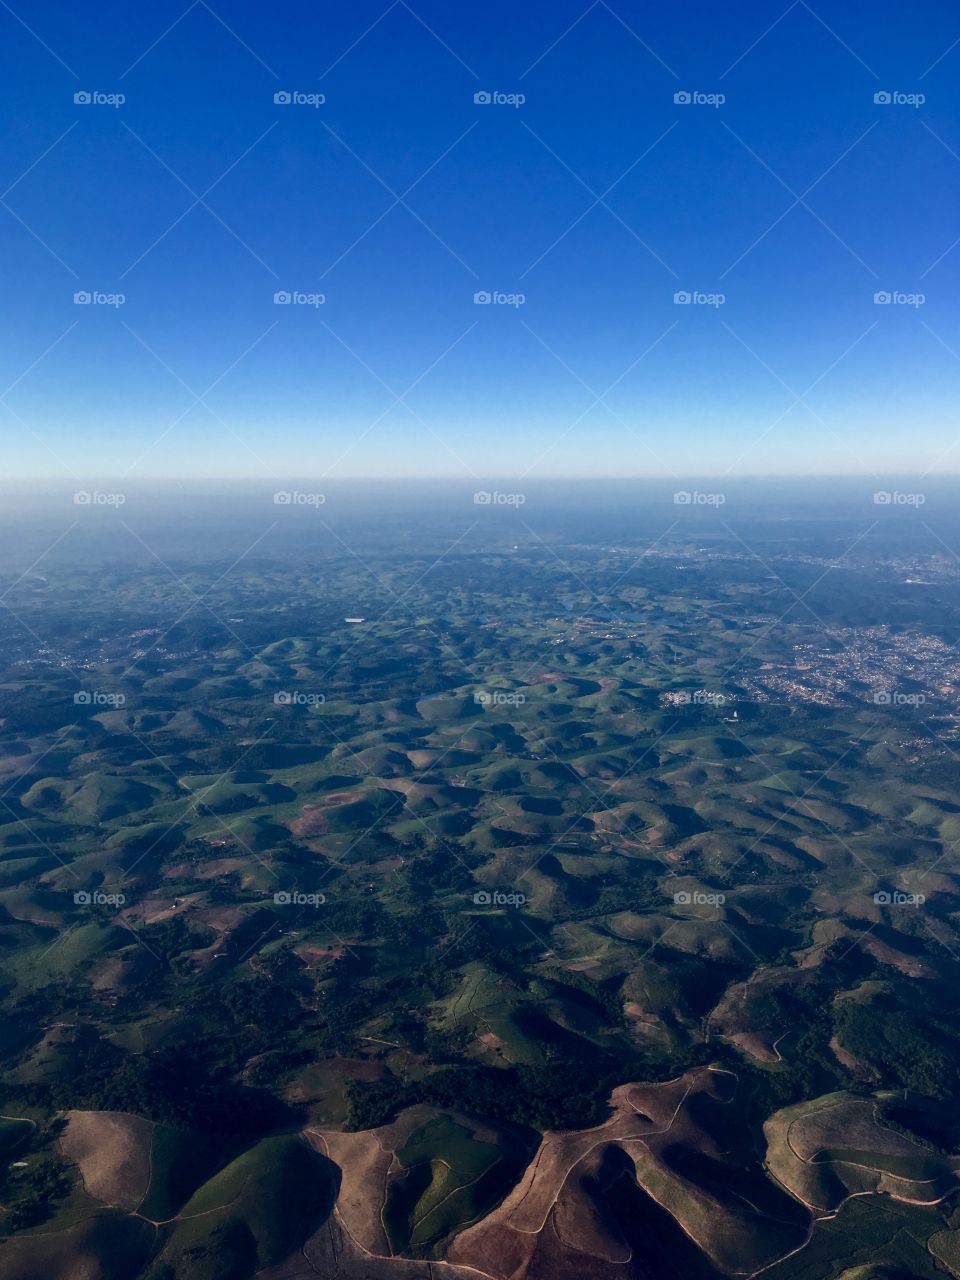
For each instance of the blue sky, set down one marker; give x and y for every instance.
(597, 199)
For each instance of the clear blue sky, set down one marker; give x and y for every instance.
(598, 199)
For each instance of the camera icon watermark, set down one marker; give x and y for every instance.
(895, 98)
(298, 298)
(96, 898)
(297, 698)
(896, 898)
(497, 898)
(697, 298)
(97, 298)
(897, 298)
(494, 98)
(891, 698)
(676, 698)
(294, 498)
(95, 98)
(896, 498)
(694, 498)
(294, 898)
(294, 98)
(498, 698)
(694, 98)
(487, 498)
(94, 498)
(496, 298)
(696, 898)
(97, 698)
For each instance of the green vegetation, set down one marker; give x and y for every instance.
(251, 1214)
(494, 853)
(450, 1177)
(906, 1046)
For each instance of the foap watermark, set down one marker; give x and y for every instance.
(495, 298)
(891, 698)
(696, 898)
(487, 498)
(695, 98)
(94, 498)
(298, 298)
(498, 698)
(494, 98)
(97, 898)
(295, 498)
(697, 298)
(295, 898)
(98, 698)
(497, 898)
(895, 498)
(896, 98)
(897, 298)
(295, 98)
(298, 698)
(694, 698)
(97, 298)
(97, 98)
(694, 498)
(897, 898)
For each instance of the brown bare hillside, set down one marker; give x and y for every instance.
(112, 1150)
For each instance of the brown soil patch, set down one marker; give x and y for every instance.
(754, 1045)
(337, 798)
(312, 822)
(211, 870)
(404, 785)
(112, 1150)
(364, 1165)
(110, 974)
(314, 956)
(909, 965)
(19, 765)
(386, 864)
(357, 1068)
(845, 1059)
(579, 1222)
(150, 910)
(223, 919)
(117, 972)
